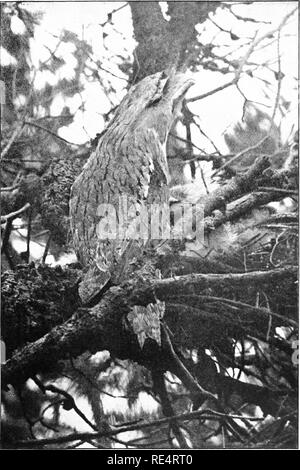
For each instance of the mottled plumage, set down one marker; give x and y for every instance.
(129, 161)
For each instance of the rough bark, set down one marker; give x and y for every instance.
(102, 328)
(35, 299)
(170, 42)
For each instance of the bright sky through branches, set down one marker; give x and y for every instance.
(217, 112)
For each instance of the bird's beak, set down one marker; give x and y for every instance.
(181, 88)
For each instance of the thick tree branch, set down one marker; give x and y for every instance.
(100, 328)
(237, 186)
(170, 42)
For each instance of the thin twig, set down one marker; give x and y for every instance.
(38, 126)
(47, 246)
(28, 235)
(14, 215)
(69, 399)
(16, 134)
(199, 414)
(278, 190)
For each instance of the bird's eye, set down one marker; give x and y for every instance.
(154, 101)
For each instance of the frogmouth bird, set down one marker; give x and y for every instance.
(128, 166)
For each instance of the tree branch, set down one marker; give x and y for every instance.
(100, 328)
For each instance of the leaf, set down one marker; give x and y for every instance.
(233, 36)
(279, 75)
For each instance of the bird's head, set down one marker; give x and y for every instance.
(153, 103)
(163, 101)
(175, 89)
